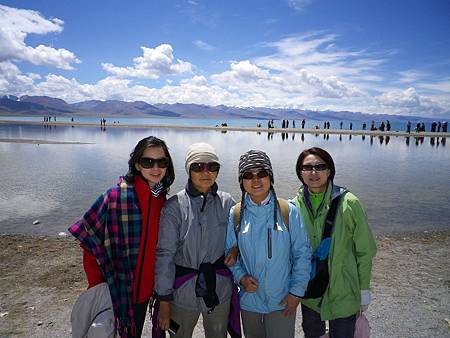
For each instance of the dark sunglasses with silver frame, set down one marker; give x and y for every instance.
(148, 162)
(316, 167)
(201, 166)
(249, 175)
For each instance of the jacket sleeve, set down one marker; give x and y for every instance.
(365, 246)
(166, 249)
(300, 253)
(237, 269)
(91, 268)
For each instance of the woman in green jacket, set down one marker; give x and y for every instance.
(351, 250)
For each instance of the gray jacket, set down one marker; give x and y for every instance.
(192, 231)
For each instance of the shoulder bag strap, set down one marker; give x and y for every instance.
(331, 216)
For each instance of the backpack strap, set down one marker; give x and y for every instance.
(331, 216)
(236, 216)
(284, 207)
(282, 204)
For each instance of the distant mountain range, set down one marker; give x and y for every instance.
(45, 105)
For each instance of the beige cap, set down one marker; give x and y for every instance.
(200, 153)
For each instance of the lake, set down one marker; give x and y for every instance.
(403, 183)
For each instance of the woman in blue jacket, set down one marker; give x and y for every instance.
(273, 265)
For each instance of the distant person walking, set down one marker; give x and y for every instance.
(408, 127)
(364, 126)
(388, 125)
(444, 127)
(351, 126)
(340, 124)
(303, 124)
(433, 127)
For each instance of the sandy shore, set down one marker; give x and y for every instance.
(41, 278)
(225, 129)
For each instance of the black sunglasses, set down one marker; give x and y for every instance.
(199, 167)
(248, 175)
(316, 167)
(148, 162)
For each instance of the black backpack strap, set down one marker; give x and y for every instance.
(331, 216)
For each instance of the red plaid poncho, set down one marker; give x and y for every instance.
(111, 231)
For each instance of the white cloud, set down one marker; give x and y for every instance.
(203, 45)
(438, 86)
(16, 24)
(298, 5)
(12, 81)
(411, 75)
(154, 63)
(402, 99)
(409, 102)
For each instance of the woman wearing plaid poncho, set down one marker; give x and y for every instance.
(119, 233)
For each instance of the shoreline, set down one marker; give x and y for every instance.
(241, 129)
(42, 276)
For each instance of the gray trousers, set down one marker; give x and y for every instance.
(268, 325)
(214, 323)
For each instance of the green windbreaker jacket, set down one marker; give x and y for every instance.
(351, 252)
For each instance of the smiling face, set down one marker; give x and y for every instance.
(316, 180)
(203, 180)
(258, 188)
(155, 174)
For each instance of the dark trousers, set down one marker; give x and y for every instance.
(140, 311)
(314, 327)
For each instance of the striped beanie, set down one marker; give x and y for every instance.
(251, 160)
(254, 159)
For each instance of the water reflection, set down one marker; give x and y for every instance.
(59, 181)
(382, 140)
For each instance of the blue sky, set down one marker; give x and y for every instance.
(370, 56)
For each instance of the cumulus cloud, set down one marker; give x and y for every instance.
(402, 99)
(409, 102)
(12, 81)
(16, 24)
(203, 45)
(154, 63)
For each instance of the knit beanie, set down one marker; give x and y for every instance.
(251, 160)
(254, 159)
(200, 153)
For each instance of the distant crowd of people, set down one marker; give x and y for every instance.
(382, 126)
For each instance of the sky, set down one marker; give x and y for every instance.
(382, 56)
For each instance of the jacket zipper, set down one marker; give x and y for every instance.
(269, 242)
(138, 288)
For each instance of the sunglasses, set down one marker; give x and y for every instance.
(248, 175)
(316, 167)
(148, 162)
(199, 167)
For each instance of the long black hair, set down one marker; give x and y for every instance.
(136, 155)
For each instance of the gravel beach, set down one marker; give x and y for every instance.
(41, 278)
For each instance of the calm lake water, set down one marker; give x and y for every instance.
(403, 184)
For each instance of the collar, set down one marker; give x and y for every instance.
(263, 202)
(192, 191)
